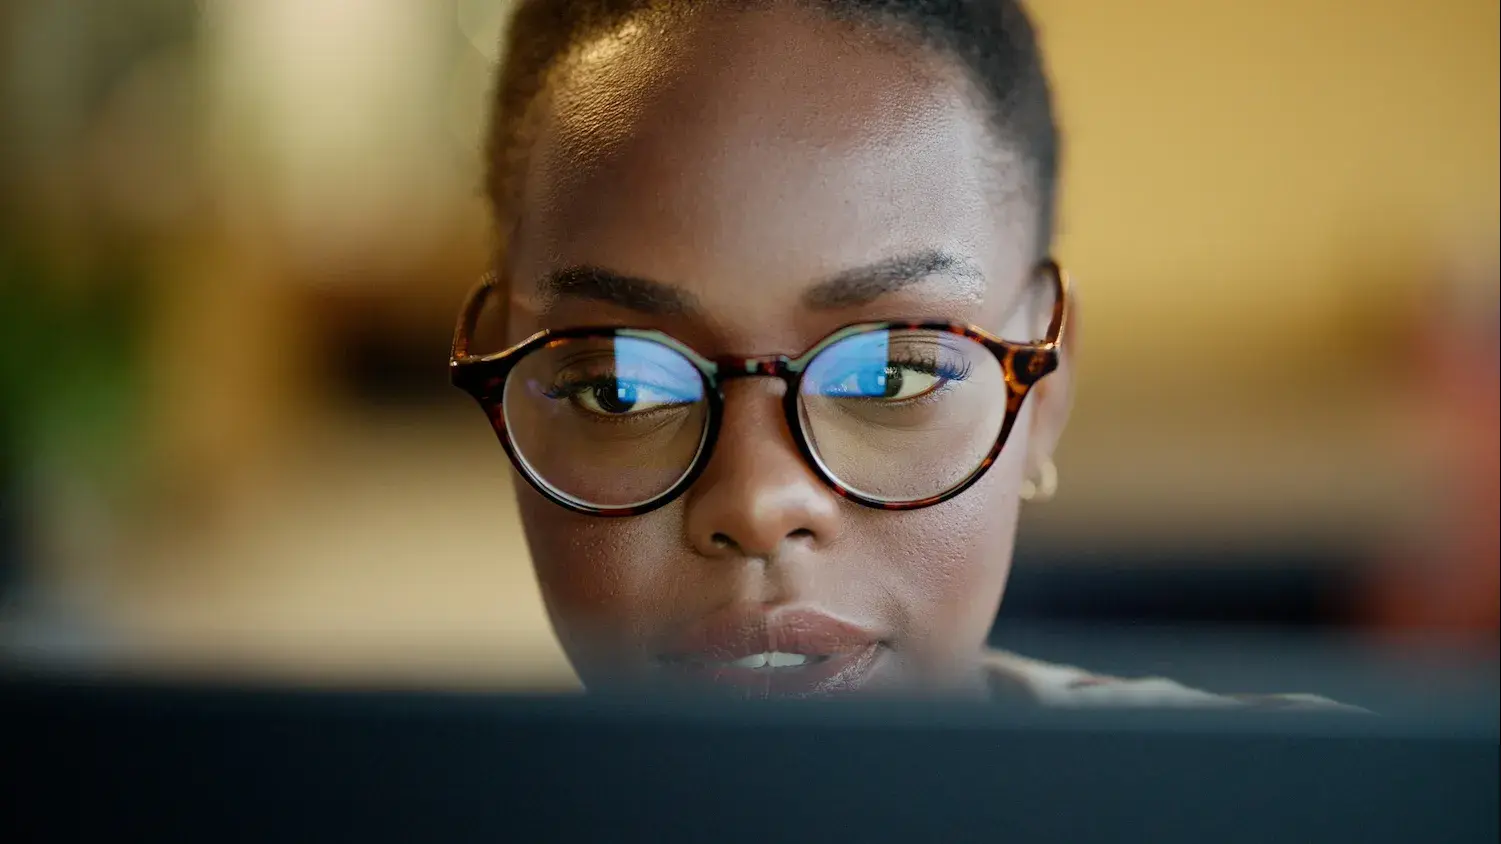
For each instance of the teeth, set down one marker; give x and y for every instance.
(774, 659)
(752, 661)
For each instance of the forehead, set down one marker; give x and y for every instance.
(762, 151)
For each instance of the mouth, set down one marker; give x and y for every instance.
(759, 653)
(768, 660)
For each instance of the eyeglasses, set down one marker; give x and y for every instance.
(894, 415)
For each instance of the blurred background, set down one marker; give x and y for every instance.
(234, 235)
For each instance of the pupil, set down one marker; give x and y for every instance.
(884, 383)
(615, 397)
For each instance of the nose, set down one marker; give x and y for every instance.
(757, 497)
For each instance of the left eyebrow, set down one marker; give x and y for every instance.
(863, 285)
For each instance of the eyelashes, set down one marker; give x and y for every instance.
(612, 386)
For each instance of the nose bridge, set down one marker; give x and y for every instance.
(758, 492)
(752, 421)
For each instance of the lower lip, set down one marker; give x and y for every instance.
(834, 675)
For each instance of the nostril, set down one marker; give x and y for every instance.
(723, 543)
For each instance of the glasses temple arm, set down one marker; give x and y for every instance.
(1059, 321)
(469, 316)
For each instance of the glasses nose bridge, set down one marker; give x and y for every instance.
(761, 366)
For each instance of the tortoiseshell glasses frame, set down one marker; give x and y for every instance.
(484, 377)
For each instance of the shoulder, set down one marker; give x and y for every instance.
(1064, 686)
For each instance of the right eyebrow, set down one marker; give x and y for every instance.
(863, 285)
(601, 285)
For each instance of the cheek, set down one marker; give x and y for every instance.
(602, 580)
(960, 555)
(576, 562)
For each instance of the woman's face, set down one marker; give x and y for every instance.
(729, 166)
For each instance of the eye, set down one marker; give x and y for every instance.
(623, 397)
(892, 382)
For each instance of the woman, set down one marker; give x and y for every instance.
(787, 348)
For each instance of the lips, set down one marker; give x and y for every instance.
(759, 652)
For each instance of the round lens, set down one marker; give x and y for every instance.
(901, 415)
(606, 422)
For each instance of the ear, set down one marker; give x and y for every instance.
(1053, 397)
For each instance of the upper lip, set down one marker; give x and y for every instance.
(740, 631)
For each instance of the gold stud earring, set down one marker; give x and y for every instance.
(1044, 487)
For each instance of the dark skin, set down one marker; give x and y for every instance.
(757, 176)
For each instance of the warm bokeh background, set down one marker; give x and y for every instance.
(234, 235)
